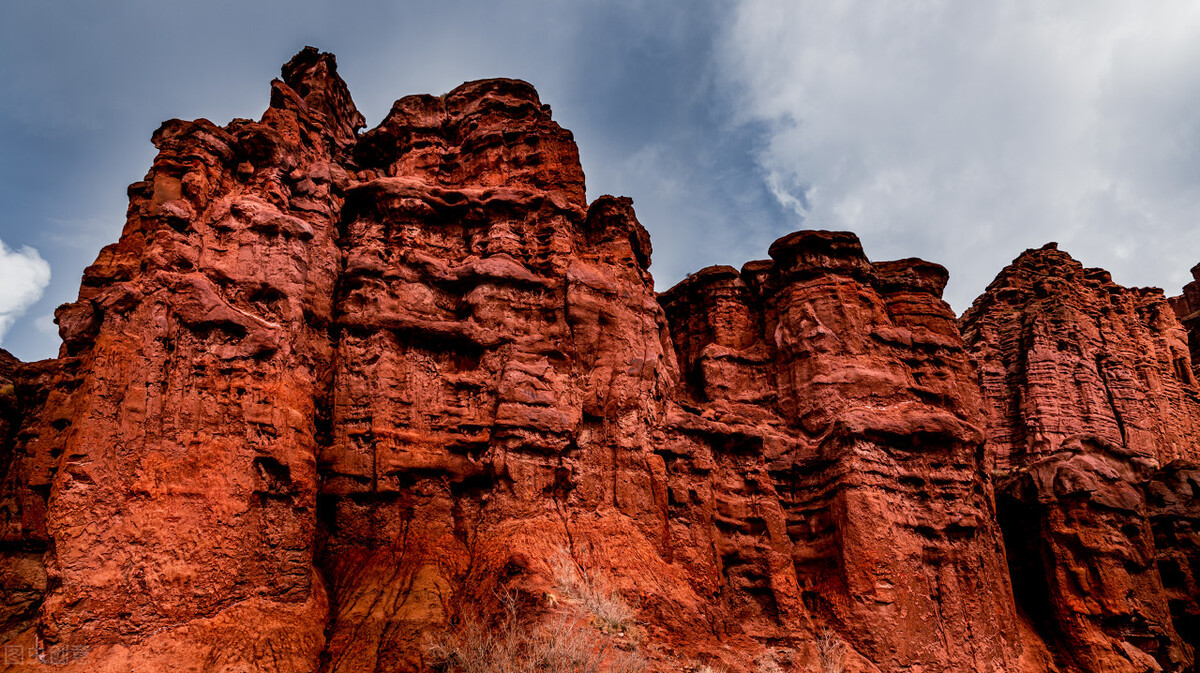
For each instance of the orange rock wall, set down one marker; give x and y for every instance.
(1094, 418)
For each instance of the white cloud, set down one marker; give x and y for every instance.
(23, 277)
(46, 326)
(966, 132)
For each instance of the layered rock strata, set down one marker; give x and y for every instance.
(335, 393)
(1094, 419)
(836, 402)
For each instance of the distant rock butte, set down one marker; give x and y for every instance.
(334, 392)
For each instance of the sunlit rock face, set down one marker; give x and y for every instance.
(335, 394)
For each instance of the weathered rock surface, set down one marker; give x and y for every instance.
(22, 542)
(1094, 419)
(831, 404)
(1187, 308)
(334, 393)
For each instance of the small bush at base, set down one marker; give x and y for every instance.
(562, 647)
(591, 594)
(829, 651)
(582, 638)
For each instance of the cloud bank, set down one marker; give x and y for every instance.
(966, 132)
(24, 275)
(958, 132)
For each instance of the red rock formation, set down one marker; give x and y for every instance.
(1187, 308)
(1094, 417)
(334, 394)
(500, 363)
(181, 496)
(1173, 503)
(35, 403)
(22, 528)
(830, 403)
(427, 328)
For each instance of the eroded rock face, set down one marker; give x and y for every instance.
(1083, 557)
(1187, 308)
(182, 485)
(1093, 413)
(23, 537)
(1173, 502)
(831, 404)
(334, 392)
(500, 365)
(1064, 352)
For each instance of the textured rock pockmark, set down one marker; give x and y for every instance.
(334, 392)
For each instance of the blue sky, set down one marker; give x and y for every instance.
(958, 132)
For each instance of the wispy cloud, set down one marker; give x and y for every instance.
(958, 132)
(23, 277)
(965, 132)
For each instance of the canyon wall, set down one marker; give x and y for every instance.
(1094, 422)
(335, 395)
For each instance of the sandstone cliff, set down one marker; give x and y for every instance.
(1094, 421)
(335, 399)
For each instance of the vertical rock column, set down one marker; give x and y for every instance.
(25, 473)
(873, 376)
(498, 346)
(727, 527)
(181, 514)
(1187, 309)
(1094, 418)
(1173, 503)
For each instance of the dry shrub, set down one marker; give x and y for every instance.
(591, 593)
(473, 648)
(829, 651)
(565, 645)
(562, 647)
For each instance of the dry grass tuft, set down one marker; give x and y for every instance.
(565, 645)
(829, 651)
(591, 594)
